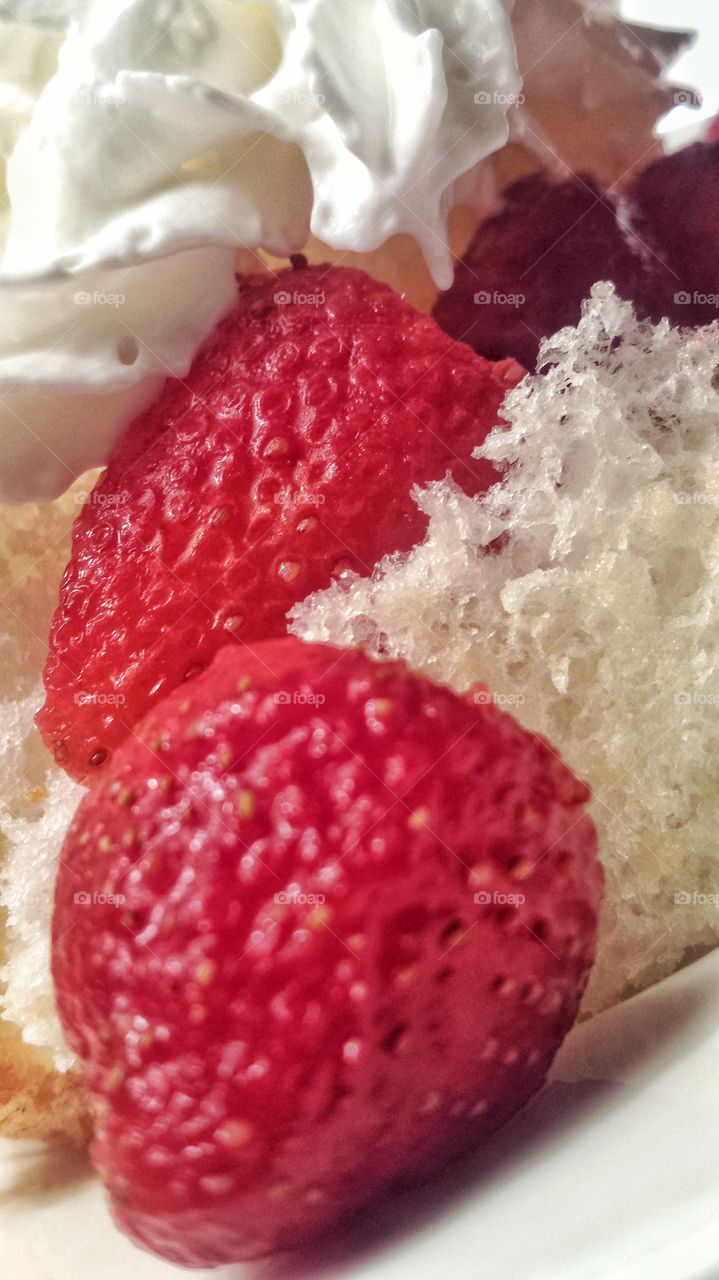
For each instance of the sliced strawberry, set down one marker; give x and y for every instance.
(674, 205)
(288, 455)
(529, 269)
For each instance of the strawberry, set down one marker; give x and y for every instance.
(529, 269)
(288, 455)
(674, 205)
(320, 926)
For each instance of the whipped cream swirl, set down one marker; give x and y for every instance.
(172, 132)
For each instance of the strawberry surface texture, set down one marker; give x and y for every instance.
(286, 457)
(319, 927)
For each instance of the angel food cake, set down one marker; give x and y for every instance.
(359, 714)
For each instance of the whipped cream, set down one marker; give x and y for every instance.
(173, 132)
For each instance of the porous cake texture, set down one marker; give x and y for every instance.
(583, 591)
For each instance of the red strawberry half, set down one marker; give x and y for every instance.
(674, 205)
(321, 925)
(287, 456)
(529, 269)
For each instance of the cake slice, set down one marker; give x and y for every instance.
(41, 1092)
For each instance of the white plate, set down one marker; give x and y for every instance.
(612, 1173)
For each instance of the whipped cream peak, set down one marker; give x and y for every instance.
(144, 141)
(376, 109)
(173, 132)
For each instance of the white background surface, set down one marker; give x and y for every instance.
(612, 1174)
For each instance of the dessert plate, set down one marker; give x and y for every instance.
(611, 1171)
